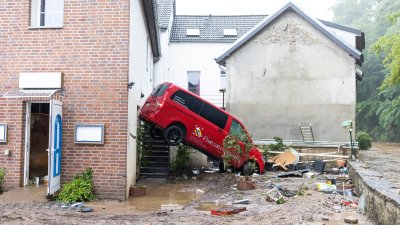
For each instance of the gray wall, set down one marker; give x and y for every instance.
(290, 73)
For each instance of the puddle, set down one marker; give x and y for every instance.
(207, 206)
(160, 195)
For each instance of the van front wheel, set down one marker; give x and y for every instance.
(174, 135)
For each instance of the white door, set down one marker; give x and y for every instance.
(27, 143)
(55, 146)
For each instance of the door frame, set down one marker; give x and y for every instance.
(27, 144)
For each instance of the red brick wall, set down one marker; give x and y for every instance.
(92, 52)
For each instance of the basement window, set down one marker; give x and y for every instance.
(47, 13)
(193, 32)
(230, 32)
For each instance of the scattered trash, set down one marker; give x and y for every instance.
(243, 201)
(170, 207)
(227, 210)
(196, 171)
(351, 220)
(309, 175)
(327, 188)
(324, 218)
(286, 158)
(275, 196)
(285, 192)
(319, 166)
(244, 185)
(199, 191)
(298, 173)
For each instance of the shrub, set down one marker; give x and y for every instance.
(364, 140)
(80, 189)
(180, 165)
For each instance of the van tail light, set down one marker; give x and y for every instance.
(160, 102)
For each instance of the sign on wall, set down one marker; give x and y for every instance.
(3, 132)
(89, 133)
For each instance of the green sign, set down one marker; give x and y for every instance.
(347, 123)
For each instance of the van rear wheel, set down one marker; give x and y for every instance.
(174, 135)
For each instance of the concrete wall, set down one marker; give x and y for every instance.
(289, 74)
(141, 73)
(378, 199)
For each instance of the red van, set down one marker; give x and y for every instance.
(180, 116)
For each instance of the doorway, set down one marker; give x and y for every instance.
(37, 143)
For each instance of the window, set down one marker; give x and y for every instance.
(47, 13)
(230, 32)
(201, 108)
(193, 32)
(213, 115)
(192, 103)
(194, 82)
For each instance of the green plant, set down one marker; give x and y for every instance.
(364, 140)
(238, 147)
(278, 146)
(180, 165)
(141, 147)
(2, 175)
(80, 189)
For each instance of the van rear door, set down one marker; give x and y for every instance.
(156, 98)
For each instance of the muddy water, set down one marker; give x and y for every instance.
(160, 195)
(25, 194)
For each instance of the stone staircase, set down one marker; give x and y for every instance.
(156, 160)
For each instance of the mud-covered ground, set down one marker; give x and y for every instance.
(197, 196)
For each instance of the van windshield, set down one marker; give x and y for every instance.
(159, 90)
(238, 130)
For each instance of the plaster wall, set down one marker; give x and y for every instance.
(141, 73)
(197, 56)
(290, 73)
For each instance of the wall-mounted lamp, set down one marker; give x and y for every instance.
(130, 85)
(6, 152)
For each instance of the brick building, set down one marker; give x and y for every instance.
(90, 60)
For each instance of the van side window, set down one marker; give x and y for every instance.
(187, 100)
(194, 104)
(237, 130)
(213, 115)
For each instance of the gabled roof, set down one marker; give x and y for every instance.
(212, 27)
(270, 19)
(165, 9)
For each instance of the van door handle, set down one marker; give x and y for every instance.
(220, 130)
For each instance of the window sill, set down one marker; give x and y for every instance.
(45, 27)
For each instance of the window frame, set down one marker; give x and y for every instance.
(35, 15)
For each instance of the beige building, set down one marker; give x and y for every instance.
(292, 69)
